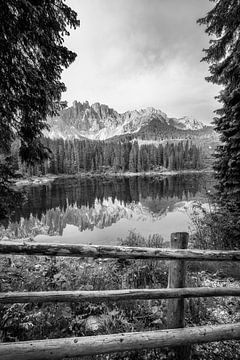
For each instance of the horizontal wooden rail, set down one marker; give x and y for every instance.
(121, 252)
(115, 295)
(92, 345)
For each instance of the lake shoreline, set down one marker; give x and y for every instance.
(48, 178)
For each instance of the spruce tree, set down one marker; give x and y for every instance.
(32, 58)
(223, 25)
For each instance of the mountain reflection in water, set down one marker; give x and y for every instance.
(99, 211)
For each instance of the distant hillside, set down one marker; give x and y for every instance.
(156, 130)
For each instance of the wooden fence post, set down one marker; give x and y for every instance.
(176, 279)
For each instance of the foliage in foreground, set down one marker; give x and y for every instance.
(10, 198)
(216, 227)
(223, 23)
(32, 36)
(32, 58)
(40, 321)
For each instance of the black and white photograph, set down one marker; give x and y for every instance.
(119, 179)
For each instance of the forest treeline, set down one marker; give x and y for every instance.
(74, 156)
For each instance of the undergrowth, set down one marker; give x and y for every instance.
(20, 322)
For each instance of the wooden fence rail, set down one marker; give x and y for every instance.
(179, 339)
(92, 345)
(121, 252)
(115, 295)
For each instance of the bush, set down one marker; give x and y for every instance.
(47, 320)
(215, 227)
(39, 321)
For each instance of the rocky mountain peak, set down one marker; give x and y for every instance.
(100, 122)
(191, 123)
(153, 111)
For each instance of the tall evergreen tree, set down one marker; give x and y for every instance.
(32, 58)
(223, 24)
(133, 157)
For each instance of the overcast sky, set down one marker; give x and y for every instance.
(138, 53)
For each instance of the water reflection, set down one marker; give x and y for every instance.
(95, 210)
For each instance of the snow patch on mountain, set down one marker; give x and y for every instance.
(191, 123)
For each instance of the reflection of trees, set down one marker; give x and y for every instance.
(84, 191)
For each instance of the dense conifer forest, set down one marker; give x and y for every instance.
(72, 157)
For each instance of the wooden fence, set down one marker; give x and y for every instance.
(175, 336)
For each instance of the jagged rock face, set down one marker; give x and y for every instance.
(85, 120)
(99, 122)
(89, 118)
(187, 123)
(134, 120)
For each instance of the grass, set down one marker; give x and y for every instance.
(45, 320)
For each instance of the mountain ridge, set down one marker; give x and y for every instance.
(100, 122)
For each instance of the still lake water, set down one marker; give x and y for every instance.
(100, 211)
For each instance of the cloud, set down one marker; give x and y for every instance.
(137, 53)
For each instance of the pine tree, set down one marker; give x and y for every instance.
(32, 58)
(223, 55)
(133, 157)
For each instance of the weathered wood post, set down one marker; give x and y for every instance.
(176, 279)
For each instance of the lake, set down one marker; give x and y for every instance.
(94, 210)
